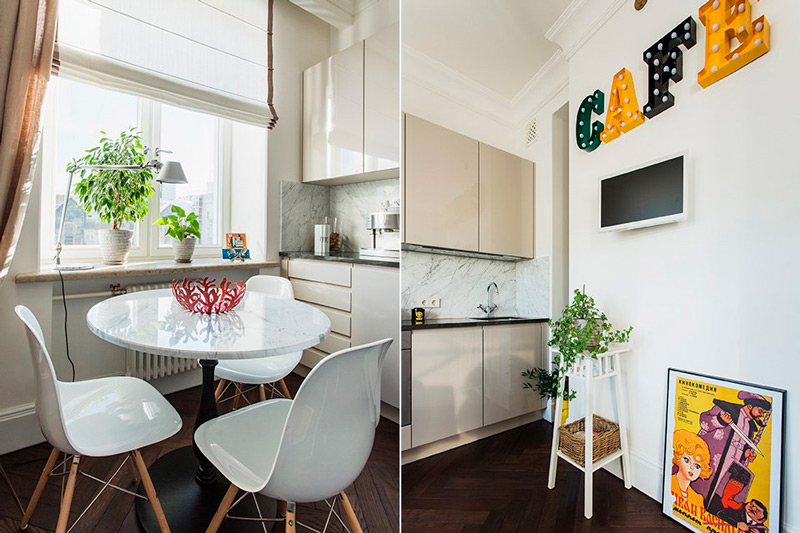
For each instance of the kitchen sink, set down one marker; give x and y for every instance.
(490, 318)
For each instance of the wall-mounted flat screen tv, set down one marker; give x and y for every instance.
(645, 196)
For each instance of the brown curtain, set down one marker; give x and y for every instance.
(27, 37)
(270, 88)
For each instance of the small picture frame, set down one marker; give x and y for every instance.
(723, 455)
(235, 247)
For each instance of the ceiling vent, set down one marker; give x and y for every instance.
(531, 133)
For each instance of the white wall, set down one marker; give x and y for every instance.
(718, 293)
(301, 40)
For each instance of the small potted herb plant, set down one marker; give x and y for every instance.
(118, 196)
(582, 331)
(184, 230)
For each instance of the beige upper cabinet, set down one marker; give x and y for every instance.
(441, 187)
(333, 116)
(506, 203)
(382, 100)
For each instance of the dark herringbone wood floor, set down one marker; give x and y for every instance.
(375, 494)
(500, 484)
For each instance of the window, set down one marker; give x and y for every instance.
(76, 113)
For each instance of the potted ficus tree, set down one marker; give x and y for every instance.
(544, 382)
(582, 331)
(184, 230)
(117, 196)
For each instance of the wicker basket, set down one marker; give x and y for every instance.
(573, 444)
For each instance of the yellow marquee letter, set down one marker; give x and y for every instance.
(724, 20)
(623, 110)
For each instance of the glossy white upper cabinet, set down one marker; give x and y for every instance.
(446, 383)
(441, 187)
(333, 116)
(507, 352)
(382, 100)
(506, 203)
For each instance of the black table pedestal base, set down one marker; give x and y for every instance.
(189, 506)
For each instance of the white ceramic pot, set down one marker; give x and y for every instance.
(115, 245)
(184, 249)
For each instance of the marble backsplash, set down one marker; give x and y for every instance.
(461, 283)
(305, 204)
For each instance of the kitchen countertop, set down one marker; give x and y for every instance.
(346, 257)
(437, 323)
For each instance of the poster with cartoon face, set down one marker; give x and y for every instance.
(723, 454)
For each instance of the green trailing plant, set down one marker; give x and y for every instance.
(179, 224)
(541, 381)
(582, 331)
(117, 196)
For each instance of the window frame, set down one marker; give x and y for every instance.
(148, 233)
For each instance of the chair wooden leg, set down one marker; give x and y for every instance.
(350, 514)
(238, 396)
(223, 508)
(150, 490)
(291, 518)
(285, 390)
(37, 492)
(281, 508)
(69, 491)
(262, 394)
(220, 388)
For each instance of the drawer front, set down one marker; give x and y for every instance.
(340, 322)
(333, 343)
(319, 293)
(311, 357)
(405, 438)
(322, 271)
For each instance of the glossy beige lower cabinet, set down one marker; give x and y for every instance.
(446, 383)
(506, 203)
(441, 187)
(507, 352)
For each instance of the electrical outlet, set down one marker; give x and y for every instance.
(431, 303)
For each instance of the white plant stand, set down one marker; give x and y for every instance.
(591, 371)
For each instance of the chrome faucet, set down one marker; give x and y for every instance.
(490, 306)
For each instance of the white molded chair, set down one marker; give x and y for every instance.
(258, 372)
(302, 450)
(94, 418)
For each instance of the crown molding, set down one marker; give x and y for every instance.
(329, 11)
(545, 85)
(425, 71)
(579, 22)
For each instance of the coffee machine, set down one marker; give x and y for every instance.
(384, 230)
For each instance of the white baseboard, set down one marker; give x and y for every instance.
(19, 428)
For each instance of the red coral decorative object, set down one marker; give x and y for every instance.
(203, 295)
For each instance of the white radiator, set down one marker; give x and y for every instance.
(150, 366)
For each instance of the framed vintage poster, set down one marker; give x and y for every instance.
(723, 470)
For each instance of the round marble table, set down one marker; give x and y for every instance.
(153, 322)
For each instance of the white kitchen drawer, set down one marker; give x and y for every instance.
(340, 322)
(322, 294)
(322, 271)
(333, 343)
(311, 357)
(405, 438)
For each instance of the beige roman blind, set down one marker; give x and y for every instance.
(205, 55)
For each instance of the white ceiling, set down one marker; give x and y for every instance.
(499, 44)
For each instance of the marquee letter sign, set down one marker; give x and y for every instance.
(589, 139)
(725, 20)
(623, 109)
(665, 62)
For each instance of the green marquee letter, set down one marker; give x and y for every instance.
(589, 139)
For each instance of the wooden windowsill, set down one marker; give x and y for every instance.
(143, 268)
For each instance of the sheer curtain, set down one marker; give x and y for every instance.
(27, 37)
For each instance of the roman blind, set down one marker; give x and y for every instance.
(205, 55)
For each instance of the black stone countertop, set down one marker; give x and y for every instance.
(346, 257)
(436, 323)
